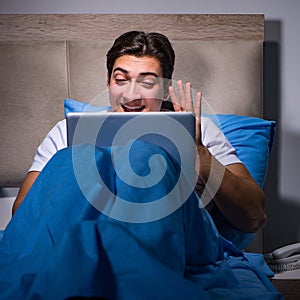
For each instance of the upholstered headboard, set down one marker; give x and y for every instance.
(46, 58)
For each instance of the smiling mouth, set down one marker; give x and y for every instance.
(129, 108)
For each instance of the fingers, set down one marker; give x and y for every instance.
(174, 98)
(197, 108)
(182, 95)
(184, 101)
(197, 111)
(179, 103)
(189, 106)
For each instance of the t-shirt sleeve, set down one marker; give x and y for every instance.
(217, 143)
(54, 141)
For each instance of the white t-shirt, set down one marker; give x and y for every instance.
(212, 138)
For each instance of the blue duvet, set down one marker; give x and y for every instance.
(58, 245)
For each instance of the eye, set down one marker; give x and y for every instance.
(147, 83)
(121, 81)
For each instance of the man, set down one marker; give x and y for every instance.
(139, 72)
(58, 245)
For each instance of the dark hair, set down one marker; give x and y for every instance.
(139, 43)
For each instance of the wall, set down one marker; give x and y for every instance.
(281, 87)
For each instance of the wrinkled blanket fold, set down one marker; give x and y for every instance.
(59, 245)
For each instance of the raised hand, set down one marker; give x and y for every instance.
(184, 102)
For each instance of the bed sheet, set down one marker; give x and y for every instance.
(58, 245)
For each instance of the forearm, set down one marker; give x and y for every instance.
(236, 194)
(25, 187)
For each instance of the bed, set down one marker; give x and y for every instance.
(48, 58)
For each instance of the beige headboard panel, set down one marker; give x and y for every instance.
(46, 58)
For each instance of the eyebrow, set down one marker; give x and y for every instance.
(141, 74)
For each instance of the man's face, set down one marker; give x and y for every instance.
(136, 84)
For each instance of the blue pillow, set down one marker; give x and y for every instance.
(78, 106)
(253, 140)
(251, 137)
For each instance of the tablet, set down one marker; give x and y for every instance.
(172, 131)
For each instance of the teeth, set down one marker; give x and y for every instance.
(132, 108)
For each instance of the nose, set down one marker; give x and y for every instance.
(132, 91)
